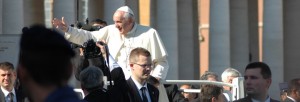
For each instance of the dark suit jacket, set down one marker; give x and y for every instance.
(248, 99)
(18, 93)
(173, 93)
(125, 90)
(97, 96)
(134, 92)
(119, 92)
(288, 100)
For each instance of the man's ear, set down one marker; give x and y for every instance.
(269, 81)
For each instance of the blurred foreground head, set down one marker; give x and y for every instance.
(45, 57)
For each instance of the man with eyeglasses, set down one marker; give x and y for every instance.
(136, 88)
(141, 65)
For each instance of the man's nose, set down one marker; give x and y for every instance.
(117, 25)
(147, 68)
(247, 81)
(6, 77)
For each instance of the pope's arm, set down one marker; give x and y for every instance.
(161, 67)
(159, 57)
(74, 35)
(79, 36)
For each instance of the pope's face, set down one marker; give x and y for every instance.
(122, 24)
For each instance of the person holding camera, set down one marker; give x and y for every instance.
(121, 38)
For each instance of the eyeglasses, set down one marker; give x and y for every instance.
(144, 65)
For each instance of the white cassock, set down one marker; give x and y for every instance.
(120, 45)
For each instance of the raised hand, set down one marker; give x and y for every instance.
(60, 24)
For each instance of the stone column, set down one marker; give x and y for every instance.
(233, 34)
(95, 9)
(66, 9)
(12, 16)
(253, 30)
(291, 26)
(166, 23)
(219, 36)
(34, 12)
(1, 8)
(110, 6)
(81, 10)
(153, 13)
(188, 42)
(48, 4)
(273, 42)
(243, 33)
(134, 5)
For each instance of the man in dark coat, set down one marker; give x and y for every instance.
(91, 79)
(258, 79)
(136, 88)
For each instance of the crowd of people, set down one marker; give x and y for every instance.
(133, 58)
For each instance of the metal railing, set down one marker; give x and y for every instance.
(237, 86)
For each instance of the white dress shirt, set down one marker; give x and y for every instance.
(7, 98)
(267, 100)
(139, 86)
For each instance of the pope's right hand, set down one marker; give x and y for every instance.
(60, 24)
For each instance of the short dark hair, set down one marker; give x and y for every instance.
(135, 53)
(46, 55)
(6, 66)
(294, 84)
(265, 69)
(91, 78)
(209, 91)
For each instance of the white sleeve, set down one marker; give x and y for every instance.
(79, 36)
(158, 54)
(161, 68)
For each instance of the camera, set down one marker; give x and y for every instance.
(90, 50)
(92, 56)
